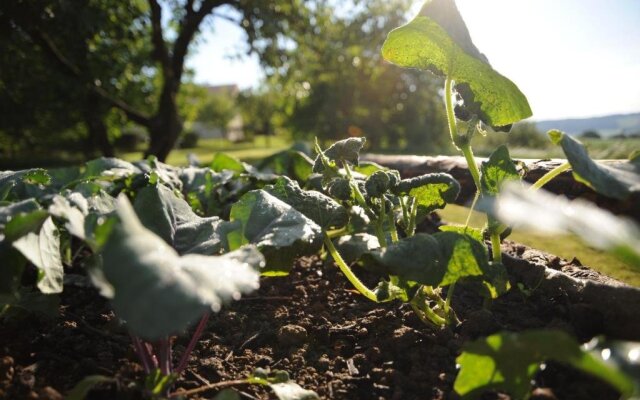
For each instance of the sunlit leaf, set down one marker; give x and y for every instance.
(508, 362)
(438, 40)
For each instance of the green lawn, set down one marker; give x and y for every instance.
(599, 149)
(567, 246)
(246, 151)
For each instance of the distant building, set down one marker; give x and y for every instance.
(234, 131)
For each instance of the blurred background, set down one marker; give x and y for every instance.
(85, 78)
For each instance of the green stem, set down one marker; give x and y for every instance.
(495, 247)
(337, 232)
(392, 227)
(448, 101)
(365, 291)
(411, 230)
(473, 206)
(382, 237)
(471, 163)
(426, 315)
(546, 178)
(405, 212)
(447, 303)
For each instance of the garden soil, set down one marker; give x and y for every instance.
(311, 324)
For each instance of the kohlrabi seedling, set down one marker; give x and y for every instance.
(437, 40)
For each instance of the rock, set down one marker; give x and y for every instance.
(292, 335)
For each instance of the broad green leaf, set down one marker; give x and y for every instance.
(494, 279)
(347, 150)
(321, 209)
(543, 212)
(508, 361)
(435, 260)
(431, 191)
(281, 232)
(498, 169)
(417, 258)
(617, 179)
(74, 216)
(24, 223)
(23, 184)
(24, 206)
(463, 256)
(43, 250)
(353, 247)
(82, 388)
(156, 291)
(222, 161)
(170, 217)
(291, 163)
(109, 168)
(438, 40)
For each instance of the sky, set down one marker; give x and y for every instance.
(571, 58)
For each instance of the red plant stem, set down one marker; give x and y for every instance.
(151, 354)
(142, 353)
(192, 343)
(164, 355)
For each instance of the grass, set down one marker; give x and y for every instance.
(246, 151)
(599, 149)
(566, 246)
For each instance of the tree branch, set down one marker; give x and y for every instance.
(160, 52)
(53, 52)
(188, 28)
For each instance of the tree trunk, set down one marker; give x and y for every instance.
(94, 116)
(165, 127)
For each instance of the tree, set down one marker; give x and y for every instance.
(158, 46)
(337, 84)
(261, 111)
(590, 134)
(93, 60)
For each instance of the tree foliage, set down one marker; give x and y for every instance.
(335, 83)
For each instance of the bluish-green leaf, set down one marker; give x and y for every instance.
(281, 232)
(438, 40)
(43, 250)
(321, 209)
(171, 218)
(347, 150)
(156, 291)
(617, 179)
